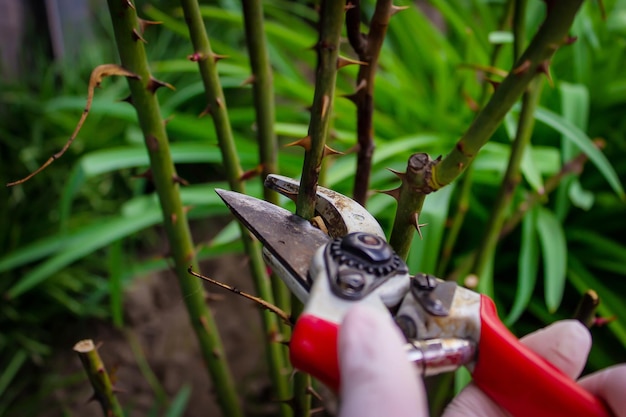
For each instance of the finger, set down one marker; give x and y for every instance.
(375, 378)
(608, 385)
(565, 344)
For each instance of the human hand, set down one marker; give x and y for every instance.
(376, 381)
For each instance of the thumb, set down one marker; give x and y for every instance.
(376, 378)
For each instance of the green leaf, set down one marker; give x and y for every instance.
(179, 403)
(11, 369)
(527, 267)
(580, 197)
(554, 251)
(529, 169)
(500, 37)
(462, 377)
(116, 288)
(86, 241)
(228, 234)
(597, 244)
(585, 144)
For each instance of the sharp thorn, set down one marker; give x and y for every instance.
(325, 104)
(398, 174)
(218, 57)
(155, 84)
(137, 36)
(207, 110)
(305, 142)
(416, 223)
(522, 68)
(196, 56)
(250, 80)
(330, 151)
(397, 9)
(395, 193)
(544, 68)
(470, 102)
(179, 180)
(344, 62)
(252, 173)
(145, 24)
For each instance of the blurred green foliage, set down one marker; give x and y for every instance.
(57, 228)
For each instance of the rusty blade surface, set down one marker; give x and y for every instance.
(290, 238)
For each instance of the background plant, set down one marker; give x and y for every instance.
(99, 204)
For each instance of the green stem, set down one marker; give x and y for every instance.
(512, 176)
(301, 400)
(410, 196)
(368, 49)
(133, 56)
(573, 167)
(587, 307)
(103, 390)
(552, 35)
(466, 185)
(331, 19)
(263, 95)
(216, 107)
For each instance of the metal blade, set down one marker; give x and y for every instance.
(341, 214)
(289, 238)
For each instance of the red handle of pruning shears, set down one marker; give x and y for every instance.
(515, 377)
(521, 381)
(313, 349)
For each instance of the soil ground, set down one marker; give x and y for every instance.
(157, 320)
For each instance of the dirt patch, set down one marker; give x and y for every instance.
(157, 320)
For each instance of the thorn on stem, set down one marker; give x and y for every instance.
(155, 84)
(395, 193)
(495, 84)
(145, 24)
(137, 36)
(328, 151)
(196, 57)
(344, 62)
(418, 226)
(250, 80)
(218, 57)
(522, 68)
(305, 142)
(252, 173)
(179, 180)
(325, 104)
(152, 143)
(544, 68)
(470, 102)
(603, 321)
(146, 174)
(398, 174)
(207, 110)
(397, 9)
(128, 99)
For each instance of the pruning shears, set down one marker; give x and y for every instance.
(446, 326)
